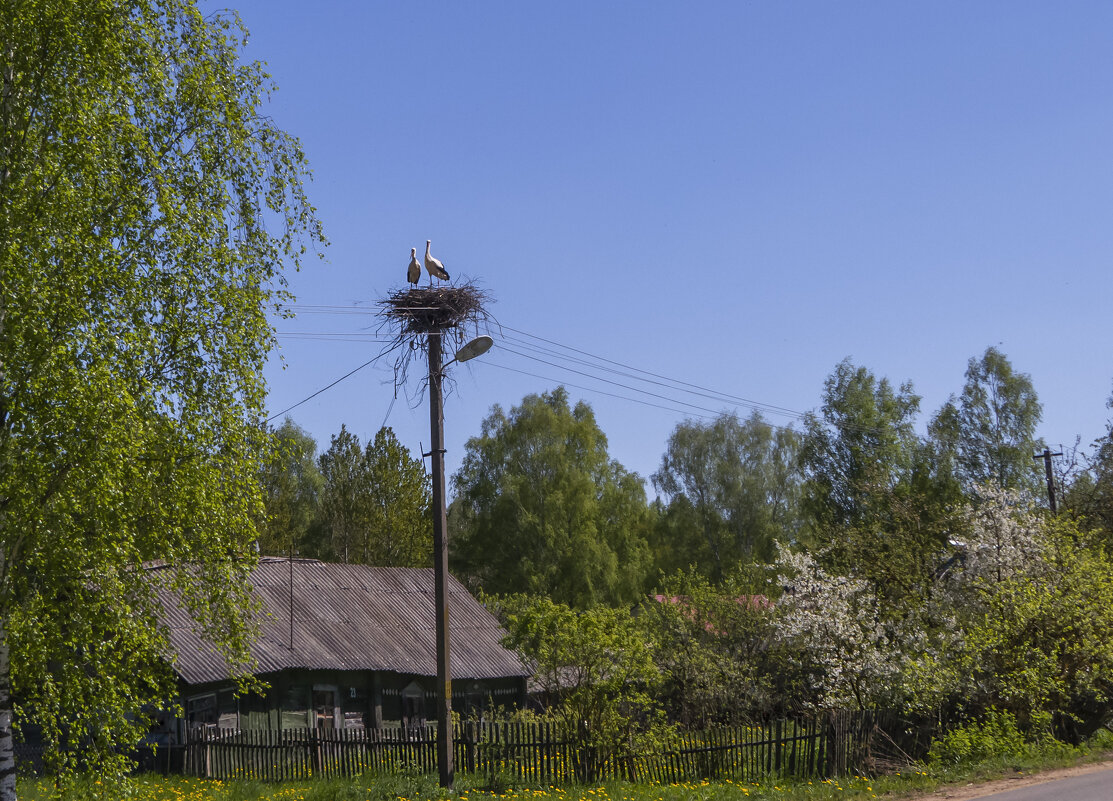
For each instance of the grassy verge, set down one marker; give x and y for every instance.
(371, 788)
(415, 787)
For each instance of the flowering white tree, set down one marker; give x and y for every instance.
(1023, 623)
(1003, 542)
(834, 627)
(1005, 538)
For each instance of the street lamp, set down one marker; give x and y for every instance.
(475, 347)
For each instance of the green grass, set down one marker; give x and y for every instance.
(389, 788)
(415, 787)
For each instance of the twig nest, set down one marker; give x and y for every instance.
(421, 309)
(410, 315)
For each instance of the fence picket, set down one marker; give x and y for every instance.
(828, 745)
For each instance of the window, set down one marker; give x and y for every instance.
(413, 706)
(201, 710)
(324, 706)
(228, 709)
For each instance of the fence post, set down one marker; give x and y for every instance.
(469, 746)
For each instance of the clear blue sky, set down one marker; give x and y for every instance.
(732, 194)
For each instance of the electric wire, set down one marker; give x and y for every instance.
(710, 414)
(714, 393)
(710, 394)
(655, 378)
(322, 389)
(606, 380)
(563, 354)
(600, 366)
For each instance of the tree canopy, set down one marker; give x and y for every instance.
(374, 503)
(876, 502)
(541, 507)
(398, 503)
(861, 445)
(989, 430)
(291, 490)
(147, 208)
(594, 669)
(741, 480)
(342, 496)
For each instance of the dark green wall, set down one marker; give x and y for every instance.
(366, 699)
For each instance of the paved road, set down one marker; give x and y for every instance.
(1089, 787)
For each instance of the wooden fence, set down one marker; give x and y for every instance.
(542, 753)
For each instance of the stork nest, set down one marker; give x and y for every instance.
(424, 309)
(410, 316)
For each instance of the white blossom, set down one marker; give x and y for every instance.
(834, 621)
(1004, 538)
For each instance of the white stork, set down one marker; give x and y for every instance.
(413, 272)
(435, 268)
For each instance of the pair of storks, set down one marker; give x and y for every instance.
(435, 268)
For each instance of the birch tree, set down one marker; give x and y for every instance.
(147, 208)
(741, 479)
(291, 491)
(989, 431)
(542, 507)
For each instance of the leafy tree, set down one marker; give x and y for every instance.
(877, 504)
(741, 480)
(1028, 623)
(717, 649)
(676, 539)
(343, 496)
(1103, 474)
(594, 668)
(837, 635)
(861, 446)
(375, 503)
(291, 491)
(397, 525)
(541, 507)
(990, 429)
(1089, 497)
(136, 175)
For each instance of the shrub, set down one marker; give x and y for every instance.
(995, 737)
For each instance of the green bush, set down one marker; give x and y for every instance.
(995, 737)
(1101, 740)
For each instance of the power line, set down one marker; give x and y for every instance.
(322, 389)
(709, 394)
(333, 338)
(690, 408)
(318, 309)
(608, 381)
(735, 398)
(627, 371)
(710, 415)
(535, 352)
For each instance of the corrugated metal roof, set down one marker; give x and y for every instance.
(353, 617)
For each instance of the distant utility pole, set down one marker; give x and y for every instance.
(1046, 456)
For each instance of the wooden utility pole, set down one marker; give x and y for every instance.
(1046, 456)
(435, 313)
(440, 562)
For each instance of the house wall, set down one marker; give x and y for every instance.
(352, 699)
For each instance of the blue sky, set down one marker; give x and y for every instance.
(737, 195)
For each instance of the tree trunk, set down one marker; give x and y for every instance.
(7, 750)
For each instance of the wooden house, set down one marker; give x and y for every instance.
(345, 646)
